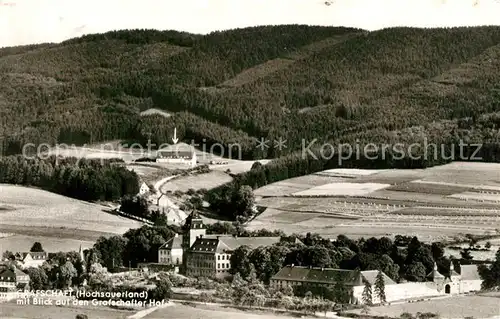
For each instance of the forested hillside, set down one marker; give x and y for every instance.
(295, 82)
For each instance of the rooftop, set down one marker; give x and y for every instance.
(469, 272)
(173, 243)
(329, 275)
(223, 243)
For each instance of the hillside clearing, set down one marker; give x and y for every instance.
(154, 111)
(258, 71)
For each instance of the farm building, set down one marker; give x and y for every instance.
(311, 277)
(186, 157)
(437, 284)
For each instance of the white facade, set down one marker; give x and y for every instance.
(170, 257)
(184, 160)
(171, 253)
(144, 189)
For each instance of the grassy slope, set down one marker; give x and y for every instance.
(39, 213)
(291, 81)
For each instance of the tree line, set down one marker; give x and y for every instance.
(85, 179)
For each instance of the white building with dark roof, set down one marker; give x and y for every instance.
(185, 157)
(171, 253)
(437, 284)
(31, 259)
(205, 255)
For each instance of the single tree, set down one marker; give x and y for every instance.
(380, 287)
(465, 254)
(36, 248)
(8, 255)
(38, 278)
(487, 245)
(66, 274)
(367, 293)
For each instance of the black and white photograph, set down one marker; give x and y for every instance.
(250, 159)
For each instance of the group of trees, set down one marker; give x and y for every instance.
(379, 287)
(491, 274)
(78, 178)
(61, 270)
(402, 259)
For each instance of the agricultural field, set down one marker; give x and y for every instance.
(296, 184)
(474, 306)
(412, 202)
(52, 218)
(196, 181)
(342, 189)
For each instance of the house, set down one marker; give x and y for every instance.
(170, 253)
(144, 189)
(311, 277)
(186, 157)
(13, 280)
(205, 255)
(31, 259)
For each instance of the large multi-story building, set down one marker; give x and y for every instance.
(205, 255)
(186, 157)
(354, 281)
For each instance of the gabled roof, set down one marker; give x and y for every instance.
(469, 272)
(8, 273)
(175, 154)
(329, 275)
(173, 243)
(35, 255)
(19, 272)
(371, 277)
(227, 243)
(435, 275)
(317, 275)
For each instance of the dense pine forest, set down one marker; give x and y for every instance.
(299, 83)
(83, 179)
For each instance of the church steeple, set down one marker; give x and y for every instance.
(193, 228)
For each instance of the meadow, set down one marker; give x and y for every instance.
(475, 306)
(57, 221)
